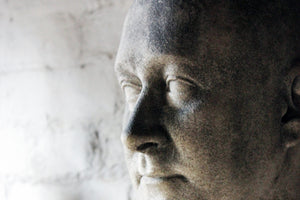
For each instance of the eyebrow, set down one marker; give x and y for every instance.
(124, 75)
(119, 68)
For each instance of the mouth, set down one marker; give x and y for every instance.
(155, 180)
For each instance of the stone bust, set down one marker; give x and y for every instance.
(212, 93)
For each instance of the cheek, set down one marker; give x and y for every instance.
(126, 116)
(203, 137)
(203, 144)
(200, 131)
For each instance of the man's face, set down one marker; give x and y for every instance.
(203, 110)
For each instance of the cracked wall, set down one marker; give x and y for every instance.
(60, 103)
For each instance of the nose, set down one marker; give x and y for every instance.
(144, 130)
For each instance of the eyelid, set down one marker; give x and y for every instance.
(125, 83)
(188, 80)
(174, 78)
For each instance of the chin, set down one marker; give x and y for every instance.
(167, 190)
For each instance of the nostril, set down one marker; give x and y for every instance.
(147, 145)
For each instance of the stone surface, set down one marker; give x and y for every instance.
(60, 103)
(212, 99)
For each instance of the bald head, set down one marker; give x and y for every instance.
(225, 29)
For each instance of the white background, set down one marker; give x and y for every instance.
(60, 104)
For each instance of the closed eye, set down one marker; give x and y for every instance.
(180, 91)
(131, 92)
(125, 84)
(179, 79)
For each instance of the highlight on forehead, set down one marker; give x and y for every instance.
(170, 3)
(168, 25)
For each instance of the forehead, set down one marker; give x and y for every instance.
(163, 27)
(182, 28)
(207, 37)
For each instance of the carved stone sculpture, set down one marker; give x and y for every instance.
(212, 94)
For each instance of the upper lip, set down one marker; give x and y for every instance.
(157, 174)
(163, 177)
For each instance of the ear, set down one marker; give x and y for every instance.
(291, 119)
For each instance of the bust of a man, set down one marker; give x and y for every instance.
(212, 94)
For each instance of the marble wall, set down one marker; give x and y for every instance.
(60, 103)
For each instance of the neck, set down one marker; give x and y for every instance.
(287, 186)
